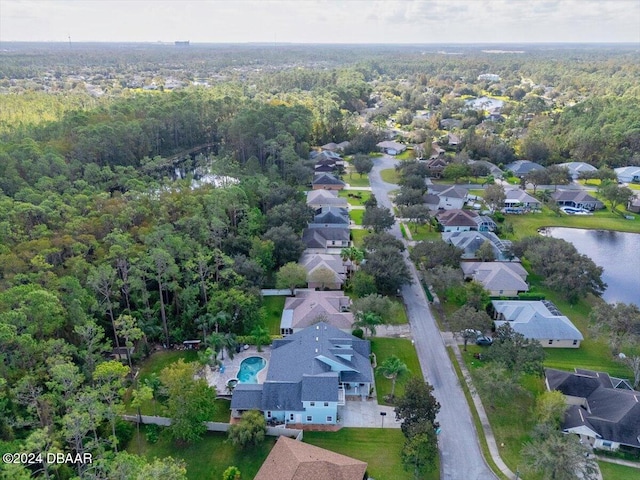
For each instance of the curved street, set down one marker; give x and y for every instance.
(460, 453)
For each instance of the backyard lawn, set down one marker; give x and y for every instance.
(355, 198)
(273, 307)
(528, 225)
(380, 448)
(405, 351)
(207, 458)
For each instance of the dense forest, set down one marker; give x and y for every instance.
(100, 220)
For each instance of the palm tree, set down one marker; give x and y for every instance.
(354, 255)
(229, 343)
(368, 321)
(392, 368)
(261, 336)
(205, 322)
(215, 341)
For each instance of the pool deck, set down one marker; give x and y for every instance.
(218, 378)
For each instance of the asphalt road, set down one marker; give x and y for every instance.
(460, 454)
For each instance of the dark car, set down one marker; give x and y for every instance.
(484, 341)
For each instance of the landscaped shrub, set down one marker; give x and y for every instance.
(358, 332)
(152, 432)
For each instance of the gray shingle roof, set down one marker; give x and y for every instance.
(612, 413)
(327, 179)
(247, 397)
(318, 237)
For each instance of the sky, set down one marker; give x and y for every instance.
(321, 21)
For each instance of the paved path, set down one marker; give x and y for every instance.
(460, 457)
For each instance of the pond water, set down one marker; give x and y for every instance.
(618, 253)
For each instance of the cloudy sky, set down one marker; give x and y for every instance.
(322, 21)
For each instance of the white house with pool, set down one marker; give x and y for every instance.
(309, 375)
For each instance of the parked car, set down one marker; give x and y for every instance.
(484, 341)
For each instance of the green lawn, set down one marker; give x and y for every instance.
(358, 236)
(401, 314)
(273, 307)
(405, 351)
(591, 355)
(390, 175)
(159, 360)
(355, 198)
(474, 413)
(510, 425)
(406, 155)
(423, 232)
(355, 180)
(529, 224)
(612, 471)
(356, 216)
(208, 458)
(380, 448)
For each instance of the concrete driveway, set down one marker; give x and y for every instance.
(460, 454)
(367, 414)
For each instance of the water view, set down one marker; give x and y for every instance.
(618, 253)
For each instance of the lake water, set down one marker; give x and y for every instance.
(617, 253)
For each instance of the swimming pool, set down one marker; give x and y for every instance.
(249, 369)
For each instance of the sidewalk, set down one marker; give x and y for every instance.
(486, 427)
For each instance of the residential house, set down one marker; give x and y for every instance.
(451, 196)
(576, 168)
(493, 169)
(500, 279)
(470, 241)
(324, 154)
(310, 374)
(436, 166)
(634, 204)
(313, 262)
(335, 147)
(326, 181)
(321, 239)
(628, 174)
(325, 198)
(458, 220)
(330, 217)
(576, 199)
(521, 167)
(602, 410)
(453, 140)
(295, 460)
(519, 201)
(432, 201)
(450, 123)
(307, 307)
(537, 320)
(436, 151)
(391, 148)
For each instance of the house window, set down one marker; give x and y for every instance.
(291, 417)
(312, 404)
(326, 404)
(575, 342)
(268, 413)
(309, 418)
(550, 342)
(329, 418)
(606, 444)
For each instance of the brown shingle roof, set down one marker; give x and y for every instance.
(293, 460)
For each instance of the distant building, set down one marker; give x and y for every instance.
(628, 174)
(391, 148)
